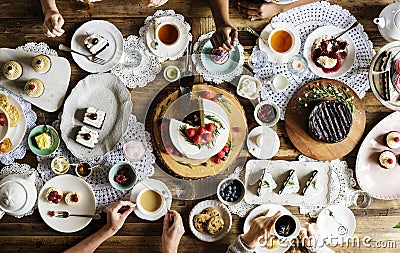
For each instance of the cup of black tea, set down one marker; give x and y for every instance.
(286, 227)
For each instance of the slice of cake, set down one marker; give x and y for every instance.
(95, 43)
(94, 117)
(267, 183)
(313, 184)
(72, 198)
(87, 137)
(291, 184)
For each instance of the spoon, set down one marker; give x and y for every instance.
(345, 31)
(342, 230)
(154, 42)
(250, 30)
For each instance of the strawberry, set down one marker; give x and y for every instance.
(169, 150)
(225, 149)
(210, 127)
(207, 137)
(390, 161)
(201, 130)
(164, 127)
(396, 139)
(190, 132)
(221, 154)
(197, 139)
(217, 160)
(206, 94)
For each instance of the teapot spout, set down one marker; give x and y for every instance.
(380, 22)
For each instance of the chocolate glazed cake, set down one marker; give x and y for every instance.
(330, 121)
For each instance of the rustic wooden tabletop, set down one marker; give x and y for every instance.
(21, 22)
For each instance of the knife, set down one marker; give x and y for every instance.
(187, 80)
(201, 111)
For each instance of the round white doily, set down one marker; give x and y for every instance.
(39, 48)
(306, 19)
(105, 194)
(196, 58)
(20, 151)
(22, 169)
(341, 185)
(148, 22)
(137, 75)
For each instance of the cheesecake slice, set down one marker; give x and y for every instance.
(291, 184)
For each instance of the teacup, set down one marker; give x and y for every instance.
(286, 227)
(150, 201)
(281, 41)
(83, 170)
(279, 83)
(167, 33)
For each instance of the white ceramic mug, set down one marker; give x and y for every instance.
(172, 28)
(285, 40)
(279, 83)
(142, 208)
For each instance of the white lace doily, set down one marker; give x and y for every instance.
(149, 22)
(306, 19)
(196, 58)
(104, 193)
(39, 48)
(20, 151)
(22, 169)
(137, 75)
(341, 185)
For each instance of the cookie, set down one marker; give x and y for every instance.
(14, 115)
(4, 102)
(200, 222)
(210, 211)
(215, 225)
(5, 145)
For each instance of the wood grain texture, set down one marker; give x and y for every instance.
(21, 22)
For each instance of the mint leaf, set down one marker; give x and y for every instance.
(397, 225)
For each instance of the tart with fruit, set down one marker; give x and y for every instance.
(34, 88)
(392, 139)
(72, 198)
(53, 195)
(328, 53)
(387, 159)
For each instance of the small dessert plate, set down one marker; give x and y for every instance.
(6, 124)
(32, 142)
(263, 142)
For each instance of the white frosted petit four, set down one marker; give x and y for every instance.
(87, 137)
(94, 117)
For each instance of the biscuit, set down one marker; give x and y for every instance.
(5, 145)
(210, 211)
(215, 225)
(4, 102)
(14, 115)
(200, 222)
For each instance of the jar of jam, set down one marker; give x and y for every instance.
(267, 113)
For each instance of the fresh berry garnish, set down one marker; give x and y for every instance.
(3, 123)
(164, 127)
(123, 171)
(221, 154)
(206, 94)
(217, 160)
(390, 161)
(56, 201)
(59, 196)
(93, 116)
(197, 139)
(55, 193)
(9, 68)
(236, 129)
(396, 139)
(95, 41)
(215, 100)
(38, 62)
(120, 179)
(210, 127)
(169, 150)
(2, 115)
(201, 130)
(75, 198)
(52, 213)
(226, 149)
(50, 198)
(87, 136)
(190, 132)
(31, 86)
(207, 137)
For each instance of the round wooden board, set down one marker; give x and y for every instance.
(173, 163)
(296, 124)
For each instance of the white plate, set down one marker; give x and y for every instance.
(270, 144)
(156, 185)
(271, 210)
(86, 205)
(104, 92)
(224, 213)
(328, 227)
(112, 54)
(169, 51)
(272, 56)
(347, 63)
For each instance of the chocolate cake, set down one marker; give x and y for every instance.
(330, 121)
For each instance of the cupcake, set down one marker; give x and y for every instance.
(54, 195)
(72, 198)
(387, 159)
(34, 88)
(41, 64)
(12, 70)
(393, 139)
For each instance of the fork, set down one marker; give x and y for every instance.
(90, 57)
(46, 129)
(65, 214)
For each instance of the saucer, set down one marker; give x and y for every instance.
(266, 151)
(152, 184)
(273, 57)
(165, 51)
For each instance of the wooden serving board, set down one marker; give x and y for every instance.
(296, 124)
(55, 81)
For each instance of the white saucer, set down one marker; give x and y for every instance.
(270, 144)
(270, 209)
(169, 51)
(152, 184)
(328, 226)
(273, 57)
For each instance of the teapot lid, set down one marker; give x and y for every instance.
(396, 20)
(13, 196)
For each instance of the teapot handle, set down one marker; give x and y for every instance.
(380, 22)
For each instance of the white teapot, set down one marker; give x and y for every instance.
(18, 194)
(389, 22)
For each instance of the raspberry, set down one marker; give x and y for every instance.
(52, 213)
(59, 196)
(396, 139)
(3, 123)
(206, 94)
(93, 116)
(169, 150)
(55, 201)
(123, 171)
(50, 198)
(31, 87)
(87, 136)
(390, 161)
(55, 193)
(2, 115)
(221, 154)
(217, 160)
(226, 149)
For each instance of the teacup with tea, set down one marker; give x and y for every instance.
(286, 227)
(167, 33)
(150, 201)
(281, 40)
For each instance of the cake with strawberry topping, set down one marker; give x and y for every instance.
(219, 56)
(392, 139)
(34, 88)
(387, 159)
(328, 53)
(87, 137)
(94, 117)
(54, 195)
(72, 198)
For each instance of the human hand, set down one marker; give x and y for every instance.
(172, 234)
(155, 3)
(225, 37)
(258, 11)
(53, 22)
(309, 234)
(260, 226)
(116, 219)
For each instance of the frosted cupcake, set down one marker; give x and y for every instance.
(12, 70)
(393, 139)
(72, 198)
(41, 64)
(387, 159)
(34, 88)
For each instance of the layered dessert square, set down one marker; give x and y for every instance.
(87, 137)
(95, 43)
(94, 117)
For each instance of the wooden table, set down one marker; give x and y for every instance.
(21, 22)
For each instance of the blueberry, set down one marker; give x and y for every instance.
(223, 158)
(230, 199)
(205, 164)
(222, 194)
(234, 187)
(227, 153)
(229, 187)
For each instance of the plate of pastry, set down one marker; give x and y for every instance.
(66, 193)
(95, 115)
(99, 38)
(210, 220)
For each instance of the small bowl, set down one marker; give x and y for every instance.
(258, 60)
(83, 170)
(130, 173)
(172, 68)
(270, 123)
(134, 150)
(32, 142)
(224, 183)
(241, 89)
(60, 165)
(4, 129)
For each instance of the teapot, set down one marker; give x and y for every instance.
(18, 194)
(389, 22)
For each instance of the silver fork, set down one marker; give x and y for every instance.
(90, 57)
(65, 214)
